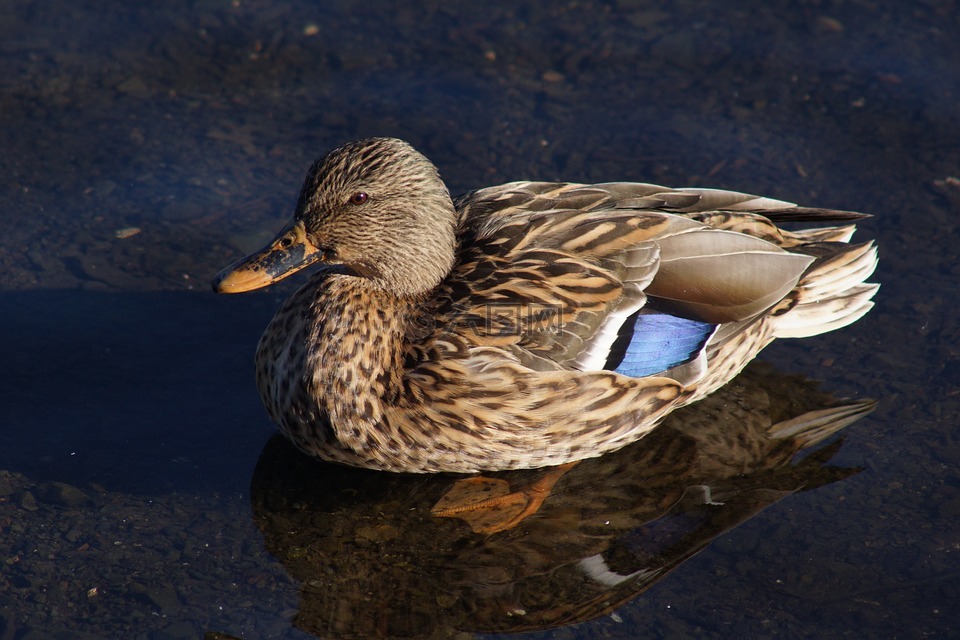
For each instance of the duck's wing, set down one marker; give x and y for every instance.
(561, 276)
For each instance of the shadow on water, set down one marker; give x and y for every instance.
(612, 528)
(136, 392)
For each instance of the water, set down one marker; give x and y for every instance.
(147, 146)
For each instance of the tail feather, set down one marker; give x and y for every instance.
(831, 294)
(819, 234)
(843, 270)
(812, 214)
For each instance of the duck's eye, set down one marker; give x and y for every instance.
(358, 198)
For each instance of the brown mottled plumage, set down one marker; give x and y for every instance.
(478, 334)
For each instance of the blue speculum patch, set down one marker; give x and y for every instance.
(652, 341)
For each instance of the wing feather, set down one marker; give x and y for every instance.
(550, 272)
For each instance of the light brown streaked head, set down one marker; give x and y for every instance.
(374, 208)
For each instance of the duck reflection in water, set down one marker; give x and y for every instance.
(374, 561)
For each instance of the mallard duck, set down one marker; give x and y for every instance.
(529, 324)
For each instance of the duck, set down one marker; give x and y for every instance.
(529, 324)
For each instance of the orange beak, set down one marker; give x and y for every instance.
(286, 254)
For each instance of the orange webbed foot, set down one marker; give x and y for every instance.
(489, 506)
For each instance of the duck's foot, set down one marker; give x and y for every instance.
(488, 505)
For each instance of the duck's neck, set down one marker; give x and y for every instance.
(344, 351)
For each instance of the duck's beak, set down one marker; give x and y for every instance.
(289, 252)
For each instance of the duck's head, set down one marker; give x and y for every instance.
(374, 208)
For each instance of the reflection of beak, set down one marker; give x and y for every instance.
(289, 252)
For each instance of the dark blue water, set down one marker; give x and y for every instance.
(146, 146)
